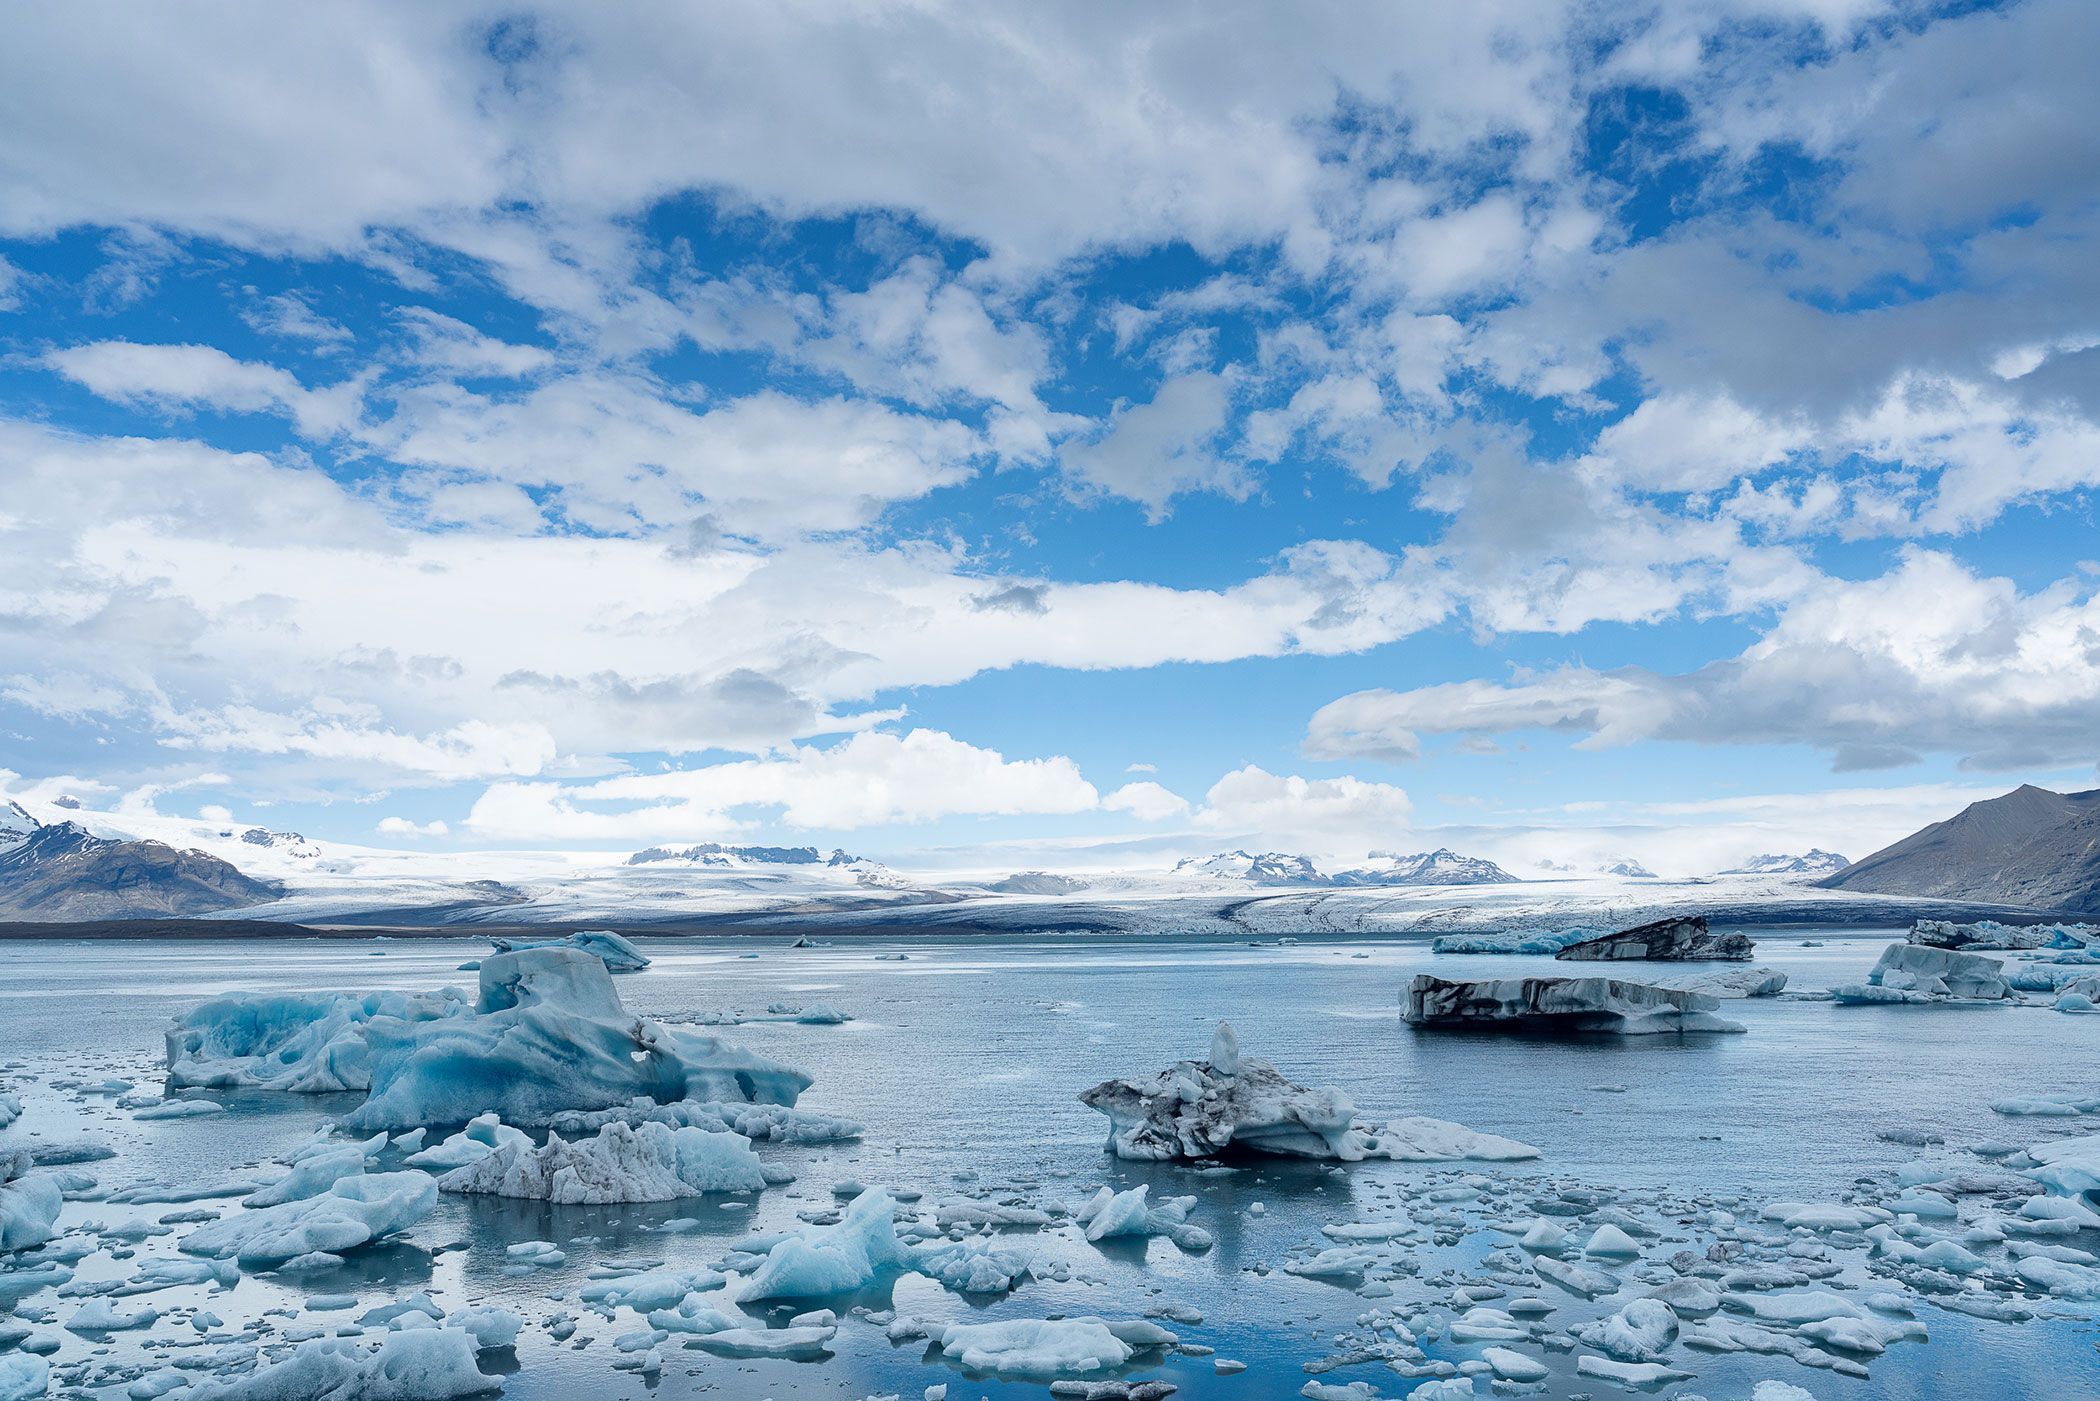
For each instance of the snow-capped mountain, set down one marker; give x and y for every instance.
(61, 871)
(1037, 883)
(1440, 867)
(716, 854)
(1627, 867)
(16, 825)
(1813, 862)
(292, 844)
(1268, 868)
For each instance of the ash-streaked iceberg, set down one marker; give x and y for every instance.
(1561, 1004)
(1235, 1103)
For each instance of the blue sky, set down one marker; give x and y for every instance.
(1568, 430)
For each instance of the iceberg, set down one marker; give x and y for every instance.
(614, 952)
(354, 1211)
(1111, 1214)
(29, 1203)
(1676, 940)
(1231, 1102)
(1727, 984)
(1514, 941)
(833, 1259)
(1561, 1004)
(777, 1122)
(649, 1163)
(304, 1043)
(1920, 973)
(1990, 934)
(548, 1035)
(1046, 1349)
(483, 1135)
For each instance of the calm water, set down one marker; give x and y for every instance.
(963, 1063)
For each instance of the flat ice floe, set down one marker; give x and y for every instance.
(353, 1212)
(1200, 1109)
(1566, 1004)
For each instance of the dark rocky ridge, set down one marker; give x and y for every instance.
(64, 872)
(2032, 848)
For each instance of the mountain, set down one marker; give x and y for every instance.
(64, 872)
(1440, 867)
(2032, 847)
(15, 826)
(1037, 883)
(1626, 867)
(1269, 868)
(290, 843)
(1814, 862)
(716, 854)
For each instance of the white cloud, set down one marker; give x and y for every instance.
(1289, 809)
(1164, 448)
(199, 376)
(868, 780)
(403, 827)
(1928, 657)
(1146, 801)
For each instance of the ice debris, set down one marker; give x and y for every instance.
(649, 1163)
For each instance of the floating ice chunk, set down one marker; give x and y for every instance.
(1640, 1332)
(1442, 1389)
(805, 1343)
(1514, 1366)
(548, 1035)
(354, 1211)
(837, 1259)
(614, 952)
(1794, 1307)
(179, 1109)
(650, 1289)
(101, 1316)
(431, 1364)
(1574, 1278)
(29, 1203)
(1919, 973)
(23, 1377)
(1780, 1391)
(1420, 1140)
(1561, 1004)
(776, 1122)
(1111, 1213)
(2046, 1106)
(1826, 1216)
(312, 1043)
(1629, 1374)
(1989, 934)
(1193, 1110)
(651, 1163)
(1609, 1241)
(10, 1109)
(2059, 1278)
(491, 1328)
(1047, 1349)
(312, 1175)
(1514, 941)
(483, 1135)
(2069, 1167)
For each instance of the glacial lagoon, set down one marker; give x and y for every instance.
(962, 1059)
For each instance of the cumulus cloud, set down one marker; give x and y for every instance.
(1866, 669)
(868, 780)
(1289, 808)
(1146, 801)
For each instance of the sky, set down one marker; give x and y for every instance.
(1086, 433)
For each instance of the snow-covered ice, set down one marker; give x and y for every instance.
(354, 1211)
